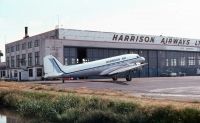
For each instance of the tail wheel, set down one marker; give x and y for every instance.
(128, 78)
(115, 78)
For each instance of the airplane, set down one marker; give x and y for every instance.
(105, 67)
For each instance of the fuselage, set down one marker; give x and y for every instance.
(96, 68)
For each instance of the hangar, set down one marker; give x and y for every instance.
(164, 54)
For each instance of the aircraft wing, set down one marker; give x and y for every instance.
(107, 71)
(121, 69)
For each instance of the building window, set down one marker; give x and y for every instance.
(198, 60)
(66, 61)
(23, 46)
(17, 47)
(37, 58)
(36, 43)
(30, 44)
(30, 71)
(12, 49)
(7, 61)
(167, 62)
(15, 73)
(17, 60)
(191, 61)
(12, 61)
(70, 56)
(3, 73)
(29, 59)
(39, 72)
(173, 62)
(7, 50)
(74, 60)
(23, 60)
(182, 62)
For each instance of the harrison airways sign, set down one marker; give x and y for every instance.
(161, 40)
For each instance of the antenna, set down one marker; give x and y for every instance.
(58, 22)
(5, 38)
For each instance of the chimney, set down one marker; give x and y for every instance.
(26, 32)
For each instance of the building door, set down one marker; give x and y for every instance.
(70, 56)
(82, 55)
(153, 63)
(20, 76)
(145, 70)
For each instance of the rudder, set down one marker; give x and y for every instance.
(52, 67)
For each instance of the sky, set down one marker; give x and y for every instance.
(177, 18)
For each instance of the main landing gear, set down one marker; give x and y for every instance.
(115, 77)
(128, 77)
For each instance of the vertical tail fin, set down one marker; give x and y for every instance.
(52, 67)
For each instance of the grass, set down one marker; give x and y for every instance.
(71, 108)
(48, 104)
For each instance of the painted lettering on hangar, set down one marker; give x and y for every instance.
(133, 38)
(155, 40)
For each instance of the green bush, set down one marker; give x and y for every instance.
(38, 96)
(93, 103)
(63, 103)
(164, 115)
(36, 108)
(139, 115)
(189, 115)
(69, 116)
(122, 107)
(77, 109)
(11, 99)
(97, 116)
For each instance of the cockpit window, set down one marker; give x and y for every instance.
(137, 56)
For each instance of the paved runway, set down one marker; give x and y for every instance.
(173, 88)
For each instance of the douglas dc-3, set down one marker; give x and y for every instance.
(105, 67)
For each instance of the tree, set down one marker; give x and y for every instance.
(1, 54)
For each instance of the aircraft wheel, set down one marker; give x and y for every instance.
(128, 78)
(114, 78)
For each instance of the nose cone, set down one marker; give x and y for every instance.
(142, 59)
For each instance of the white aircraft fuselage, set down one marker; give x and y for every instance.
(104, 67)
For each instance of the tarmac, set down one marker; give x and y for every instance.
(185, 88)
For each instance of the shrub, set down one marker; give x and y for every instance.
(11, 99)
(189, 115)
(37, 95)
(97, 116)
(37, 108)
(71, 108)
(69, 116)
(138, 116)
(122, 107)
(63, 103)
(93, 103)
(164, 115)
